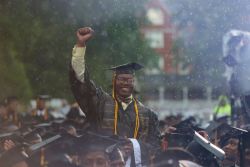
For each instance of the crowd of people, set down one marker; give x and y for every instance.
(37, 138)
(113, 130)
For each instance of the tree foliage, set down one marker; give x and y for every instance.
(37, 39)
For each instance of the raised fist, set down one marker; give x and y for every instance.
(83, 35)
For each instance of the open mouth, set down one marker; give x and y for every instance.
(125, 89)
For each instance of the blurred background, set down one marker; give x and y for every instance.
(179, 43)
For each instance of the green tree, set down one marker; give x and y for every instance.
(42, 34)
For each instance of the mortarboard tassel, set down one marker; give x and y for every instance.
(46, 115)
(42, 158)
(116, 105)
(137, 121)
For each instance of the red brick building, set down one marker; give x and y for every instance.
(159, 33)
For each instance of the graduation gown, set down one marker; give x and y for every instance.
(99, 109)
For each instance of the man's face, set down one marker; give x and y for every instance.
(116, 159)
(231, 151)
(14, 106)
(126, 150)
(2, 111)
(124, 85)
(117, 163)
(247, 155)
(95, 159)
(41, 104)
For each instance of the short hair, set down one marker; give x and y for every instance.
(10, 99)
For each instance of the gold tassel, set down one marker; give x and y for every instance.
(46, 115)
(116, 105)
(42, 158)
(137, 120)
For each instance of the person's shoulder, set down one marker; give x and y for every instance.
(147, 109)
(141, 105)
(103, 94)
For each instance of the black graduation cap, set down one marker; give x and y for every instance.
(114, 153)
(180, 138)
(99, 144)
(94, 142)
(171, 157)
(223, 131)
(128, 68)
(53, 150)
(217, 129)
(232, 132)
(189, 123)
(243, 138)
(202, 156)
(183, 134)
(43, 97)
(110, 145)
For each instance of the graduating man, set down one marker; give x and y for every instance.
(41, 112)
(119, 113)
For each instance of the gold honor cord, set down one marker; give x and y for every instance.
(42, 158)
(116, 105)
(137, 120)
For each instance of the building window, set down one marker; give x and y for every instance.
(161, 62)
(173, 94)
(155, 16)
(152, 94)
(155, 39)
(196, 93)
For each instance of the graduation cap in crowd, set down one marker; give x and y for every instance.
(171, 157)
(201, 154)
(29, 121)
(106, 145)
(128, 68)
(204, 151)
(114, 153)
(43, 97)
(91, 141)
(53, 150)
(231, 132)
(179, 138)
(217, 129)
(187, 123)
(242, 137)
(183, 134)
(33, 138)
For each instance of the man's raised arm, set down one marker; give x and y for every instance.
(84, 90)
(78, 53)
